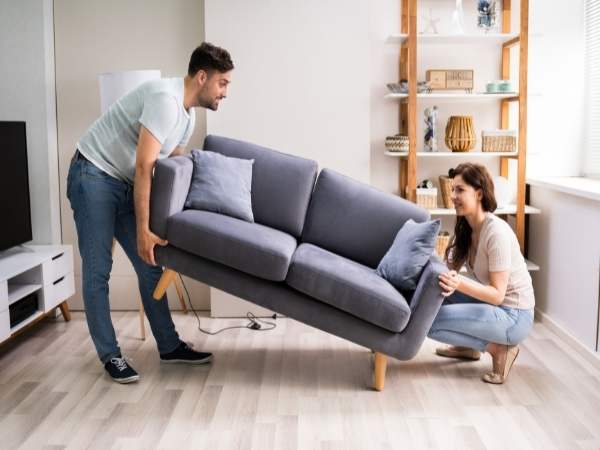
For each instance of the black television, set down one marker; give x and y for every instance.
(15, 224)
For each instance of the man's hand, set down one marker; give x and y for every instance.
(449, 281)
(146, 240)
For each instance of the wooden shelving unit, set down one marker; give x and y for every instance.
(410, 41)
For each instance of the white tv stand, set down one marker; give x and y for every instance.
(45, 269)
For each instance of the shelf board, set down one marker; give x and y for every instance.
(452, 154)
(26, 322)
(18, 291)
(456, 96)
(468, 39)
(511, 209)
(531, 266)
(397, 38)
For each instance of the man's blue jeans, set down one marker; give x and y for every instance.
(103, 210)
(466, 322)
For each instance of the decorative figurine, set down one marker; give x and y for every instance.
(430, 124)
(486, 14)
(431, 23)
(458, 18)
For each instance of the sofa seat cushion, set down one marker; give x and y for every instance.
(249, 247)
(349, 286)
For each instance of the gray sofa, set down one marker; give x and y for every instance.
(310, 255)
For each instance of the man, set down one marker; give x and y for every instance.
(109, 190)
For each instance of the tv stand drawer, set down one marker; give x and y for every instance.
(57, 292)
(58, 266)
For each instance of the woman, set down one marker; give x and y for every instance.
(492, 308)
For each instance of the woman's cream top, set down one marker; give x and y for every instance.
(498, 251)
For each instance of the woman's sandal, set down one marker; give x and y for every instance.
(458, 352)
(499, 374)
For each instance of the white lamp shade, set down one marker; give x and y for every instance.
(114, 85)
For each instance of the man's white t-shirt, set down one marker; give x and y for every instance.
(110, 143)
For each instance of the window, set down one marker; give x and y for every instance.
(592, 79)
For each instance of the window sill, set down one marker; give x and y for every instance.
(578, 186)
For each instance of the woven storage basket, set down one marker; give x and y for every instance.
(498, 141)
(441, 244)
(460, 134)
(427, 198)
(446, 188)
(397, 143)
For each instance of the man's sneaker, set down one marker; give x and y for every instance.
(120, 370)
(184, 354)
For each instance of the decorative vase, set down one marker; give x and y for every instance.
(460, 133)
(430, 129)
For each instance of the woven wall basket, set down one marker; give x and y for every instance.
(460, 134)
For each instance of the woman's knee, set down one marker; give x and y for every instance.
(521, 329)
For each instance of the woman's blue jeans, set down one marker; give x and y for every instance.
(103, 210)
(466, 322)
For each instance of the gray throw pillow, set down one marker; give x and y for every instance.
(410, 251)
(221, 184)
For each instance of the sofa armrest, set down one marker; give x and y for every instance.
(425, 304)
(170, 187)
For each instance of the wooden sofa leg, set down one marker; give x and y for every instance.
(163, 283)
(379, 372)
(179, 290)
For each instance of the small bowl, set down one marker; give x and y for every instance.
(491, 87)
(505, 86)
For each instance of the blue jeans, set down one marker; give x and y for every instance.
(466, 322)
(103, 209)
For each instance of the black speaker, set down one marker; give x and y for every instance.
(22, 309)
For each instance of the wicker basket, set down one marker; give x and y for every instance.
(427, 198)
(446, 188)
(499, 141)
(397, 143)
(460, 134)
(441, 244)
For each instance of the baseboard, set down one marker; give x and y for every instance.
(591, 356)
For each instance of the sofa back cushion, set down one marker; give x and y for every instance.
(354, 219)
(221, 184)
(281, 183)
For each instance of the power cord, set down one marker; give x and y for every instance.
(254, 323)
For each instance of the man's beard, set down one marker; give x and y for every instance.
(207, 102)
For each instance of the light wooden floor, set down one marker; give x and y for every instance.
(291, 388)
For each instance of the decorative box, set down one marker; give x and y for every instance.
(450, 79)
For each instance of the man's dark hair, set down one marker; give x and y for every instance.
(209, 58)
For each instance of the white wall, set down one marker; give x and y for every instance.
(105, 36)
(566, 244)
(27, 93)
(301, 83)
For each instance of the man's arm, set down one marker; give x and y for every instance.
(146, 154)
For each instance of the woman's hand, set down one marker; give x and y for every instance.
(449, 282)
